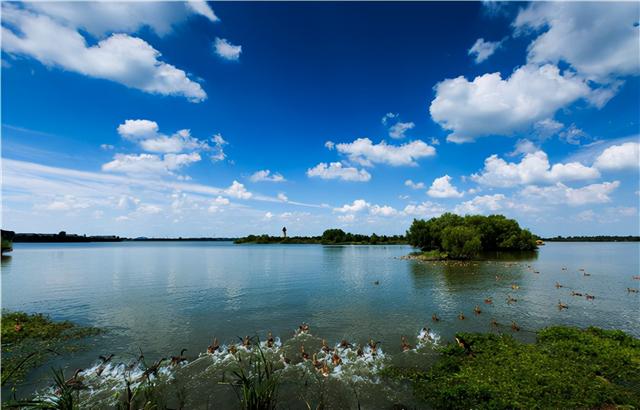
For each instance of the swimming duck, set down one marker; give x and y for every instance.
(315, 362)
(103, 365)
(345, 344)
(477, 310)
(246, 342)
(564, 268)
(325, 369)
(377, 282)
(586, 274)
(335, 359)
(637, 277)
(74, 382)
(632, 290)
(435, 318)
(426, 336)
(494, 323)
(303, 328)
(152, 370)
(558, 285)
(488, 301)
(574, 293)
(498, 277)
(562, 306)
(515, 287)
(461, 316)
(135, 364)
(515, 327)
(213, 347)
(373, 346)
(511, 299)
(175, 360)
(463, 344)
(303, 354)
(589, 297)
(404, 344)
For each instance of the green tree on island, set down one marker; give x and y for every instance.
(465, 237)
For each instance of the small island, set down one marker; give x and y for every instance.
(452, 236)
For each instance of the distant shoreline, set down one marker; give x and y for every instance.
(74, 238)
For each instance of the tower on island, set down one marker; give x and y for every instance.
(284, 231)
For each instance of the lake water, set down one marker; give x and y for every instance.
(164, 296)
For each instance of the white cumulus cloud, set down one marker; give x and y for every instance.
(357, 206)
(237, 190)
(398, 129)
(616, 157)
(481, 204)
(364, 152)
(127, 60)
(226, 50)
(481, 49)
(266, 175)
(335, 170)
(414, 185)
(598, 39)
(442, 188)
(425, 209)
(149, 164)
(562, 194)
(491, 105)
(533, 168)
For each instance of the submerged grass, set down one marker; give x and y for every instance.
(565, 368)
(29, 340)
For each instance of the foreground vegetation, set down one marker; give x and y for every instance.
(30, 340)
(565, 368)
(458, 237)
(328, 237)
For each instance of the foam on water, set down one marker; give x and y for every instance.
(352, 365)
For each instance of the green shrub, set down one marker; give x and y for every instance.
(565, 368)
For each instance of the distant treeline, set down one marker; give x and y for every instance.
(329, 237)
(65, 237)
(597, 238)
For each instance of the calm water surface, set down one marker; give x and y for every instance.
(164, 296)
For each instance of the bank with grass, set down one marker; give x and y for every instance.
(566, 368)
(30, 340)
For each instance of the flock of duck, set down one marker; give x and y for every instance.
(336, 361)
(511, 300)
(326, 361)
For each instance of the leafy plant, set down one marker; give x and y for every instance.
(255, 381)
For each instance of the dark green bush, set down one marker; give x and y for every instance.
(465, 237)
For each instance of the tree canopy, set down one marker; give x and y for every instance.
(463, 237)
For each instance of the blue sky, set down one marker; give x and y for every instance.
(162, 119)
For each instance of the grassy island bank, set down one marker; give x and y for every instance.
(29, 340)
(452, 236)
